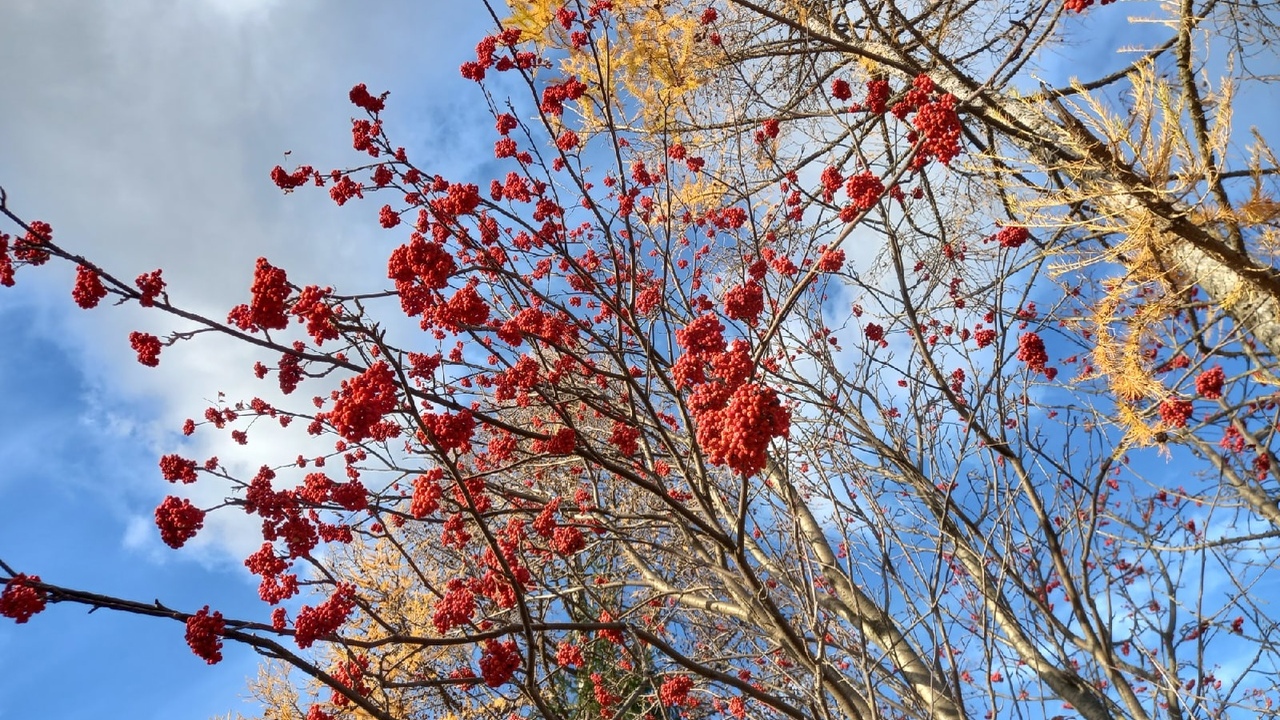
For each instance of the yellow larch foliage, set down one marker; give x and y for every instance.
(652, 55)
(397, 581)
(1140, 303)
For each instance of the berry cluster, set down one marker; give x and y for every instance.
(1012, 236)
(362, 402)
(864, 190)
(455, 608)
(1175, 412)
(88, 290)
(204, 635)
(175, 467)
(1209, 383)
(569, 654)
(427, 493)
(745, 302)
(939, 128)
(151, 285)
(1031, 351)
(675, 691)
(499, 661)
(323, 620)
(20, 600)
(830, 261)
(178, 520)
(266, 310)
(147, 346)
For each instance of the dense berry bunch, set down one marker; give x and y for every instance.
(874, 333)
(831, 181)
(175, 467)
(1031, 351)
(20, 599)
(6, 262)
(1012, 236)
(675, 691)
(1175, 412)
(427, 493)
(745, 302)
(499, 661)
(738, 435)
(840, 89)
(350, 673)
(147, 346)
(178, 520)
(362, 402)
(451, 431)
(151, 285)
(939, 129)
(864, 190)
(625, 438)
(568, 540)
(204, 635)
(455, 608)
(569, 654)
(289, 181)
(361, 98)
(1209, 383)
(1079, 6)
(323, 620)
(88, 290)
(877, 96)
(266, 311)
(830, 261)
(312, 308)
(418, 268)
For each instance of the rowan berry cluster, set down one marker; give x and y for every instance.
(266, 311)
(674, 691)
(568, 540)
(361, 98)
(455, 607)
(877, 101)
(1079, 6)
(204, 635)
(1175, 412)
(178, 520)
(499, 661)
(175, 467)
(289, 181)
(1012, 236)
(864, 190)
(745, 302)
(1031, 351)
(1209, 383)
(151, 285)
(875, 333)
(427, 493)
(830, 261)
(88, 290)
(323, 620)
(939, 127)
(147, 346)
(569, 654)
(350, 673)
(20, 599)
(362, 402)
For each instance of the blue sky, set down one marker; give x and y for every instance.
(144, 131)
